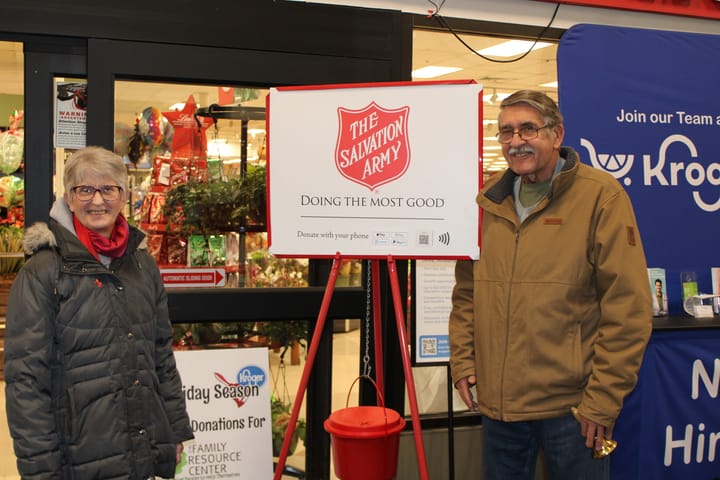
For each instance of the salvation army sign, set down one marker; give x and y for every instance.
(372, 146)
(375, 170)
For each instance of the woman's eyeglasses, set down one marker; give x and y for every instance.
(85, 193)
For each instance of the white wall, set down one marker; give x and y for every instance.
(531, 12)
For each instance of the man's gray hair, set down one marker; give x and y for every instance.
(537, 100)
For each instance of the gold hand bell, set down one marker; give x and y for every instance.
(608, 445)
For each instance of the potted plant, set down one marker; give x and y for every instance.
(284, 335)
(280, 413)
(206, 208)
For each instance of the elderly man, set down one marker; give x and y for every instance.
(551, 323)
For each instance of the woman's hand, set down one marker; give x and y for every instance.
(178, 453)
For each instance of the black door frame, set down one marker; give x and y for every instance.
(45, 59)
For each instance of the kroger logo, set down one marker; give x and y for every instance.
(251, 376)
(664, 171)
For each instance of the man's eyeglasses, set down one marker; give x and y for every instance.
(85, 193)
(527, 132)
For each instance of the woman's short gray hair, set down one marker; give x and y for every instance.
(94, 161)
(537, 100)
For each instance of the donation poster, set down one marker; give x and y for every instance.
(70, 114)
(227, 393)
(375, 170)
(434, 282)
(643, 106)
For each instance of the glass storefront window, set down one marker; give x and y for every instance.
(12, 171)
(196, 162)
(12, 180)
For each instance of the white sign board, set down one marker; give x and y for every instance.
(375, 170)
(70, 114)
(227, 392)
(434, 282)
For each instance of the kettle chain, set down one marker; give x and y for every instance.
(368, 320)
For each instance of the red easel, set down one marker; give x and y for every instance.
(402, 337)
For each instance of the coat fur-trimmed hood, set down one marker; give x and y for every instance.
(39, 235)
(36, 237)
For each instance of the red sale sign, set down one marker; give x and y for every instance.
(193, 277)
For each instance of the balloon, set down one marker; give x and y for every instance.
(168, 134)
(11, 152)
(123, 132)
(152, 127)
(11, 191)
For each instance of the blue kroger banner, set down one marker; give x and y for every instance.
(669, 427)
(644, 106)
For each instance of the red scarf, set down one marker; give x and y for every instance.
(113, 247)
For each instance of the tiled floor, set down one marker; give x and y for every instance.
(346, 349)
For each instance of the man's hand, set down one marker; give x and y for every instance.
(463, 387)
(594, 433)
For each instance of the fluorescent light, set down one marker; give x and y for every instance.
(550, 84)
(512, 48)
(432, 71)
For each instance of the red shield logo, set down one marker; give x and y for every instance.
(372, 145)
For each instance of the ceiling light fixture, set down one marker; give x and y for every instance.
(432, 71)
(512, 48)
(550, 84)
(494, 97)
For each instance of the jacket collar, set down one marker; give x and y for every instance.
(497, 190)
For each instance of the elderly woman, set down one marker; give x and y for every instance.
(92, 389)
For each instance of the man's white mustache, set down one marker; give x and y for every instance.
(520, 150)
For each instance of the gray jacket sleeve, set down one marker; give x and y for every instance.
(167, 372)
(30, 368)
